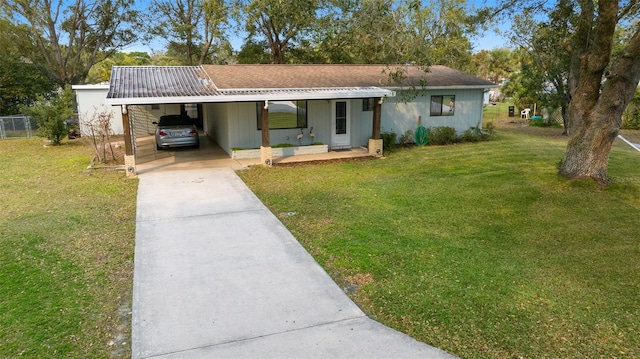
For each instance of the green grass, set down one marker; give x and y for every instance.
(66, 253)
(478, 249)
(499, 111)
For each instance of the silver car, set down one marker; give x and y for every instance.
(176, 131)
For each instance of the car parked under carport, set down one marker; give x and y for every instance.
(176, 131)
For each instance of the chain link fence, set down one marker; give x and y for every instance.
(18, 126)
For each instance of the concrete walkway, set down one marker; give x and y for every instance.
(218, 276)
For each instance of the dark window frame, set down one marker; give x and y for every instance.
(302, 118)
(437, 105)
(368, 104)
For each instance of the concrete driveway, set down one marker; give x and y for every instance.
(217, 275)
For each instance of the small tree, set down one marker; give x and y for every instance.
(97, 131)
(50, 113)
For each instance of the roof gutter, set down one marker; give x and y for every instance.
(452, 87)
(257, 95)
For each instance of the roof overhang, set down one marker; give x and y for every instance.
(257, 95)
(452, 87)
(91, 87)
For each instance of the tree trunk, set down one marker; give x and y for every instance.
(596, 106)
(588, 150)
(594, 128)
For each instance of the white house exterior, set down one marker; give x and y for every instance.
(340, 106)
(91, 100)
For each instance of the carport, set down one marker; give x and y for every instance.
(145, 92)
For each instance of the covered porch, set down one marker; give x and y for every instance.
(132, 88)
(210, 155)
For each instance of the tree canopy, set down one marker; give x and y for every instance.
(278, 23)
(193, 28)
(69, 37)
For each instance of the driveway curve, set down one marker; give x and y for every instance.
(217, 275)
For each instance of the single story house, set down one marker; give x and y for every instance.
(325, 107)
(91, 102)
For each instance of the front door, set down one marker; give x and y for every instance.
(340, 124)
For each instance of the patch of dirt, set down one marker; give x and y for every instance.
(522, 126)
(357, 281)
(113, 155)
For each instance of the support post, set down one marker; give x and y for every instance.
(265, 148)
(126, 126)
(377, 109)
(375, 143)
(129, 157)
(265, 124)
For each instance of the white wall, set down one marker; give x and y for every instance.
(234, 125)
(91, 101)
(399, 117)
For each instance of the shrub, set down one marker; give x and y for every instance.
(631, 119)
(490, 128)
(538, 122)
(442, 135)
(470, 136)
(407, 138)
(388, 140)
(51, 114)
(541, 122)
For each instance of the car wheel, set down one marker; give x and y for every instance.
(158, 147)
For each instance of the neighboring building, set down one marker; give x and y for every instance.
(339, 102)
(91, 101)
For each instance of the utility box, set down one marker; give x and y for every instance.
(512, 111)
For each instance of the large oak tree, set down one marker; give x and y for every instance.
(602, 78)
(69, 37)
(600, 85)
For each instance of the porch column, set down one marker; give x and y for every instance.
(129, 157)
(265, 148)
(377, 109)
(375, 143)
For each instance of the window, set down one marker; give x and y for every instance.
(284, 114)
(341, 118)
(192, 110)
(442, 105)
(367, 104)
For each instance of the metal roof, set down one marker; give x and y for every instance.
(160, 82)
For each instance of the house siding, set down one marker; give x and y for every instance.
(216, 122)
(361, 124)
(234, 125)
(399, 117)
(91, 100)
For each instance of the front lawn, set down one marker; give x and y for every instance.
(66, 253)
(478, 249)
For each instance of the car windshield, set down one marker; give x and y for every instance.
(175, 121)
